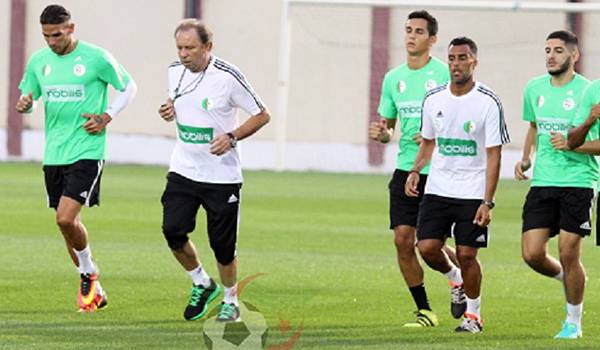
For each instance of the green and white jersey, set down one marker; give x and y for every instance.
(462, 127)
(71, 85)
(206, 105)
(591, 96)
(554, 109)
(402, 95)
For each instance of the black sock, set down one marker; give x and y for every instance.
(420, 297)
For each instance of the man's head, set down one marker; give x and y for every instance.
(420, 32)
(462, 60)
(57, 28)
(194, 42)
(561, 52)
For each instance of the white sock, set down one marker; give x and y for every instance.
(199, 276)
(86, 266)
(454, 275)
(574, 314)
(560, 276)
(474, 306)
(231, 295)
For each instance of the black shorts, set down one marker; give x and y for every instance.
(559, 208)
(439, 216)
(404, 210)
(79, 181)
(181, 200)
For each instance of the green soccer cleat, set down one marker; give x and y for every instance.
(201, 297)
(228, 313)
(569, 331)
(425, 318)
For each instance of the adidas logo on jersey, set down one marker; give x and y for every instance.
(232, 199)
(586, 226)
(480, 239)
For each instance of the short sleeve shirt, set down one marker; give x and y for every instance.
(462, 127)
(554, 110)
(206, 105)
(71, 85)
(402, 95)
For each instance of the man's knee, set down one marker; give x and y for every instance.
(65, 222)
(430, 249)
(404, 241)
(533, 257)
(466, 257)
(176, 236)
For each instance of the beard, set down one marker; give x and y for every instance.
(563, 68)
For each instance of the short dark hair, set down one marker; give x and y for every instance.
(568, 37)
(204, 34)
(463, 40)
(55, 14)
(432, 24)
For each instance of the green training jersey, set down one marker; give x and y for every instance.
(402, 94)
(71, 85)
(591, 96)
(554, 109)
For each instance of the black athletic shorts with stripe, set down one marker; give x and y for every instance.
(440, 215)
(404, 210)
(181, 201)
(559, 208)
(79, 181)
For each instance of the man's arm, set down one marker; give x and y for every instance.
(577, 135)
(422, 159)
(222, 143)
(483, 217)
(528, 149)
(383, 130)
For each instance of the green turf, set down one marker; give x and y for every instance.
(320, 239)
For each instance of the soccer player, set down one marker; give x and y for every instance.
(402, 94)
(72, 77)
(204, 95)
(562, 188)
(463, 131)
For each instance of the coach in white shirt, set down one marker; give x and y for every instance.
(463, 132)
(204, 95)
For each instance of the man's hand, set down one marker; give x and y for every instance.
(410, 187)
(483, 217)
(520, 168)
(220, 144)
(418, 138)
(378, 131)
(558, 141)
(595, 112)
(167, 110)
(25, 103)
(96, 122)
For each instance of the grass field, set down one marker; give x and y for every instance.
(320, 239)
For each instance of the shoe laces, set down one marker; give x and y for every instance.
(227, 310)
(457, 295)
(470, 324)
(86, 284)
(196, 295)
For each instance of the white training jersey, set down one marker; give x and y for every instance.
(206, 106)
(462, 127)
